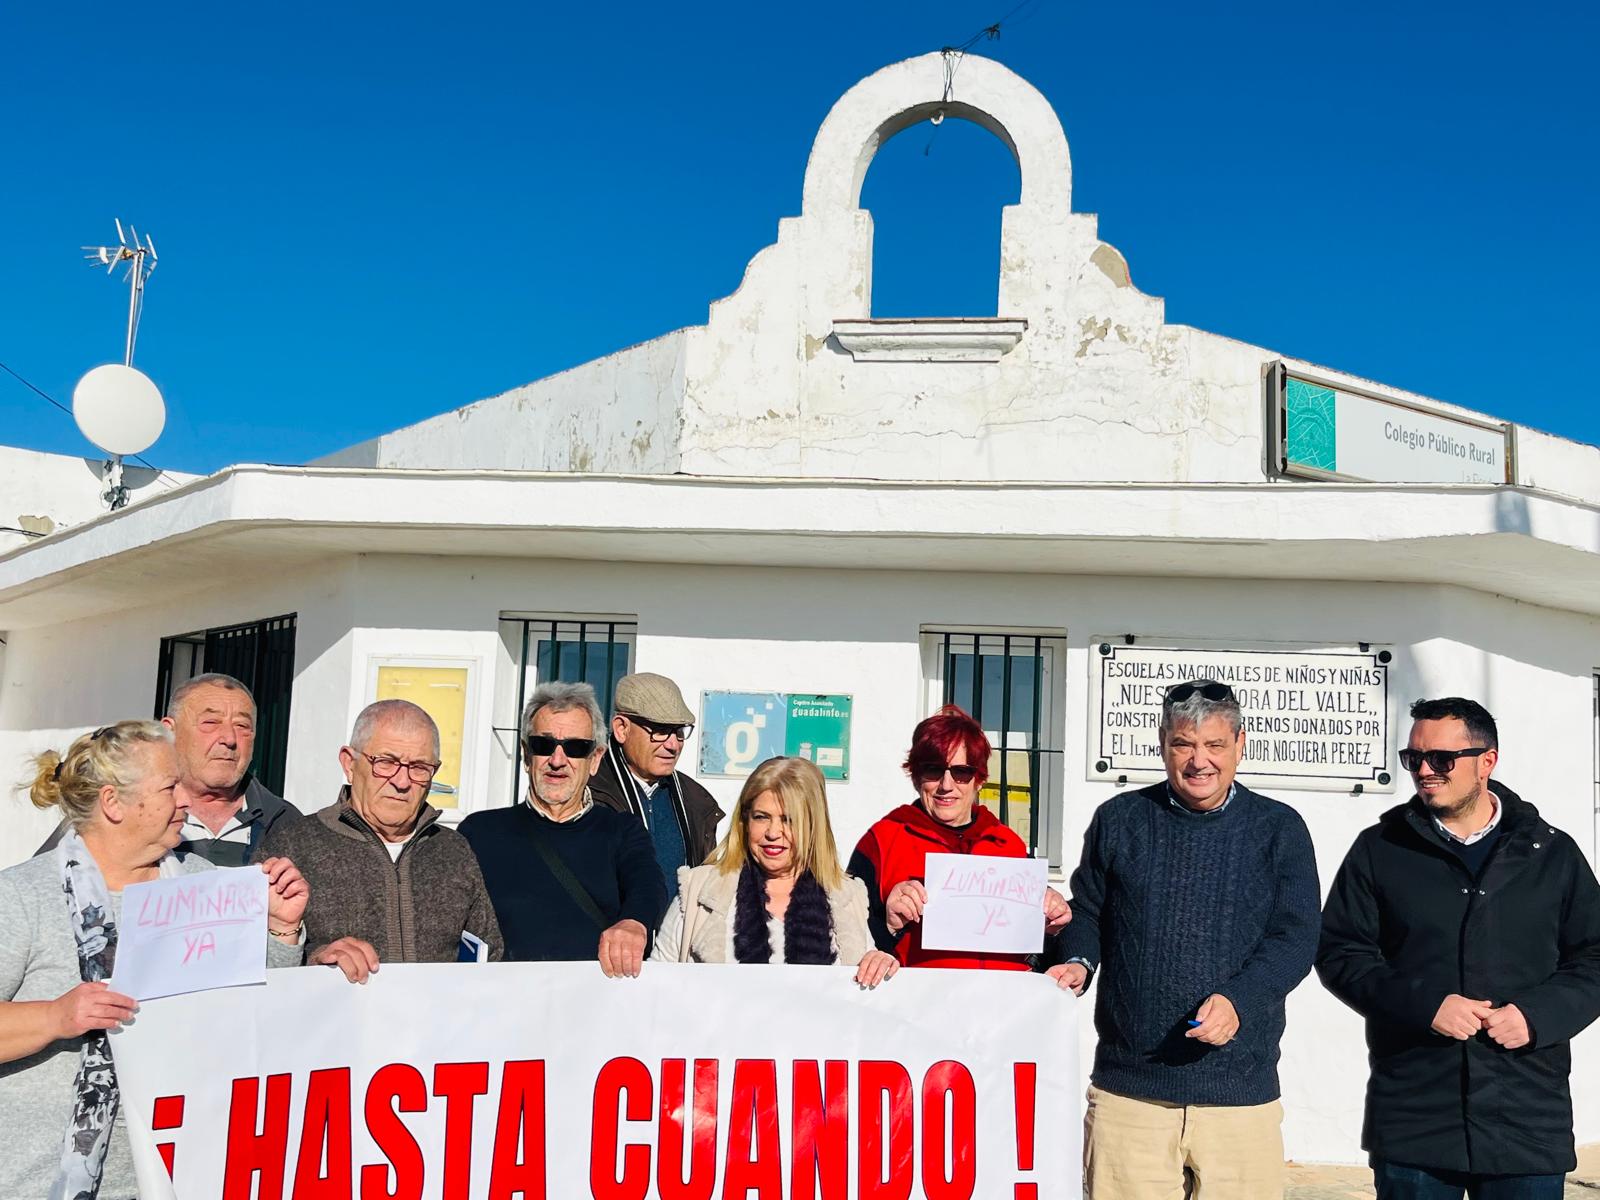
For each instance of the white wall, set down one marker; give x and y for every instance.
(857, 632)
(42, 492)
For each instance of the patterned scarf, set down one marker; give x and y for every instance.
(94, 1109)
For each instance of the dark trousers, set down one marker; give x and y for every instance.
(1396, 1181)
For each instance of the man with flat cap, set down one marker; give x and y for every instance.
(639, 773)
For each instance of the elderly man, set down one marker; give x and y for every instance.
(1197, 901)
(230, 812)
(389, 883)
(638, 774)
(1466, 930)
(570, 879)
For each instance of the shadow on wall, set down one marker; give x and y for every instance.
(1511, 513)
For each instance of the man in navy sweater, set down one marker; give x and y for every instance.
(1196, 904)
(570, 880)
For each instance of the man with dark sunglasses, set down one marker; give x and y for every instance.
(571, 879)
(1466, 930)
(1195, 905)
(639, 774)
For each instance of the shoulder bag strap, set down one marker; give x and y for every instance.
(569, 882)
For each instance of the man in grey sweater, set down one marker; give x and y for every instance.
(389, 882)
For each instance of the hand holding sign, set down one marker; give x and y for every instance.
(193, 932)
(991, 905)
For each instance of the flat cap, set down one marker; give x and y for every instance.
(652, 697)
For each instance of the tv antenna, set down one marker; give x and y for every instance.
(118, 408)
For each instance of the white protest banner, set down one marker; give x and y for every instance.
(547, 1081)
(976, 902)
(192, 932)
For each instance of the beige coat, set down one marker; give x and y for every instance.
(710, 929)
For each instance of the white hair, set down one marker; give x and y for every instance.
(400, 712)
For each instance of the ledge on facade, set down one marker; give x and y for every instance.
(929, 339)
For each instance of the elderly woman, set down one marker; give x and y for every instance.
(948, 762)
(773, 891)
(58, 939)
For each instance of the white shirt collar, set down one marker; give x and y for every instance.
(1471, 838)
(588, 803)
(1172, 799)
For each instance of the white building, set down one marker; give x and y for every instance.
(858, 515)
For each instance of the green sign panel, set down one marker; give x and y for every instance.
(739, 730)
(819, 729)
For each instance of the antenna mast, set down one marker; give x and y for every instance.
(141, 260)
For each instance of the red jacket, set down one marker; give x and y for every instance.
(896, 849)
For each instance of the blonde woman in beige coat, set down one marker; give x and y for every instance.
(773, 891)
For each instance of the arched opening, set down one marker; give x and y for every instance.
(935, 193)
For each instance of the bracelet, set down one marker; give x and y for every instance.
(285, 933)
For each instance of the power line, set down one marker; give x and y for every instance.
(44, 395)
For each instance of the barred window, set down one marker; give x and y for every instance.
(1011, 682)
(597, 650)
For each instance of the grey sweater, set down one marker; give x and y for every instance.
(39, 961)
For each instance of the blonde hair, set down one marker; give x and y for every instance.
(799, 787)
(72, 782)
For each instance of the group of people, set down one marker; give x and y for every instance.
(1464, 928)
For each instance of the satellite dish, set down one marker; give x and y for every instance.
(119, 409)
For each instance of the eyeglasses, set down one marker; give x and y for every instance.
(933, 772)
(660, 733)
(1440, 761)
(542, 745)
(386, 766)
(1209, 688)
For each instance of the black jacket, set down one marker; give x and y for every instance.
(1405, 926)
(613, 786)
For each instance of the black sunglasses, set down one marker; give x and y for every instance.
(1441, 761)
(543, 745)
(932, 772)
(1209, 688)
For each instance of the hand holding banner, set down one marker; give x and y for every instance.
(549, 1081)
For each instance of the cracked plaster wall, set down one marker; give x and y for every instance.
(1099, 388)
(620, 413)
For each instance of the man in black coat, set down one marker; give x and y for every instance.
(1466, 930)
(639, 774)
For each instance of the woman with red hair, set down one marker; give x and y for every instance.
(948, 763)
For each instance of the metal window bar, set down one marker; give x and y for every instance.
(967, 665)
(260, 654)
(547, 639)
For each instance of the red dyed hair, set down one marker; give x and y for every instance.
(936, 738)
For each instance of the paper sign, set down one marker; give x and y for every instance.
(206, 930)
(991, 905)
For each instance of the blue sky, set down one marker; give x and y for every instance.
(368, 214)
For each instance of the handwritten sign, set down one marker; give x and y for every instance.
(993, 905)
(192, 932)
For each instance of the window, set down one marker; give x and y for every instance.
(597, 650)
(1011, 681)
(260, 654)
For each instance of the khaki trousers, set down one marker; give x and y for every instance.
(1142, 1150)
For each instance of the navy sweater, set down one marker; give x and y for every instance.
(1172, 906)
(609, 852)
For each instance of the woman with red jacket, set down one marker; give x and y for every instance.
(948, 763)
